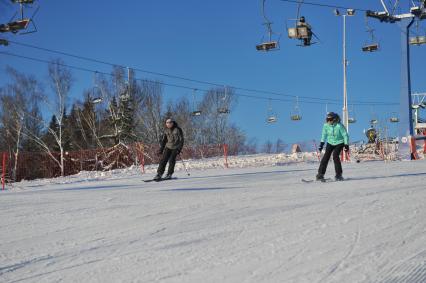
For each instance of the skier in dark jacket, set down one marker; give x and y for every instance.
(336, 136)
(171, 145)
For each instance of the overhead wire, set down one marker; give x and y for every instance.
(178, 77)
(304, 101)
(323, 5)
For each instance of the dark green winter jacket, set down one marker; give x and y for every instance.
(334, 134)
(172, 138)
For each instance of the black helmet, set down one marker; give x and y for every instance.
(302, 19)
(331, 116)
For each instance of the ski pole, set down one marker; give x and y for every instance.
(184, 165)
(316, 149)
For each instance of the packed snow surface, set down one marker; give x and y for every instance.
(250, 224)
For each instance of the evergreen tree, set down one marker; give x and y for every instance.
(49, 138)
(126, 121)
(66, 132)
(33, 129)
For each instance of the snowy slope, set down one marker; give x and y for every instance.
(254, 224)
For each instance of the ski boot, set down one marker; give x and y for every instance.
(168, 177)
(339, 178)
(157, 177)
(320, 177)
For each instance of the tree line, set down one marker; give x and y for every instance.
(117, 110)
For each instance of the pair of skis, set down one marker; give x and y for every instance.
(159, 180)
(326, 180)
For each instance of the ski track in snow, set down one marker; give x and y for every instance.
(255, 224)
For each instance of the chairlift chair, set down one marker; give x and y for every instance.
(352, 117)
(272, 118)
(97, 100)
(269, 45)
(97, 95)
(371, 45)
(302, 31)
(224, 109)
(195, 111)
(371, 134)
(296, 116)
(351, 120)
(96, 91)
(23, 1)
(15, 26)
(417, 39)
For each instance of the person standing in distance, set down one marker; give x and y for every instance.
(171, 145)
(337, 138)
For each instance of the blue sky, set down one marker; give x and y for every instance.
(215, 41)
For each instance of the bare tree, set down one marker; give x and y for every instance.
(149, 112)
(268, 147)
(15, 103)
(60, 79)
(216, 106)
(280, 146)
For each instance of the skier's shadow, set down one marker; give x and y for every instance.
(391, 176)
(245, 174)
(200, 189)
(103, 187)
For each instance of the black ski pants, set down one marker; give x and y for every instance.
(335, 150)
(169, 155)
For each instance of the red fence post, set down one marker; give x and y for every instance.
(142, 158)
(225, 154)
(3, 177)
(424, 146)
(413, 146)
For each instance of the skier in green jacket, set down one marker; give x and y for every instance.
(336, 136)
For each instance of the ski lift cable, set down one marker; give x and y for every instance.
(323, 5)
(177, 77)
(267, 21)
(298, 8)
(307, 101)
(188, 87)
(164, 74)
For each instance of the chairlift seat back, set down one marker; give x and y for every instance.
(272, 119)
(15, 26)
(267, 46)
(296, 117)
(370, 47)
(418, 40)
(196, 113)
(23, 1)
(299, 32)
(223, 111)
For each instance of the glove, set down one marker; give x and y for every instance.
(346, 147)
(321, 146)
(160, 152)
